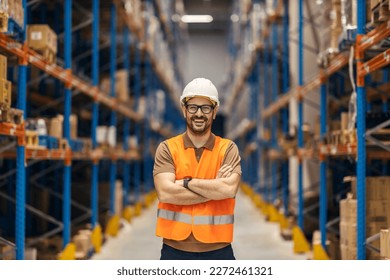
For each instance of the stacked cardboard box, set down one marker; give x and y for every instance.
(348, 136)
(5, 85)
(3, 16)
(348, 228)
(7, 252)
(121, 85)
(379, 11)
(16, 11)
(43, 39)
(385, 244)
(56, 126)
(377, 208)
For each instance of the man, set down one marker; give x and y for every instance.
(196, 176)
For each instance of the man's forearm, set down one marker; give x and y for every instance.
(175, 193)
(216, 189)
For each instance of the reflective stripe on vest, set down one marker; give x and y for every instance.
(198, 220)
(174, 216)
(214, 220)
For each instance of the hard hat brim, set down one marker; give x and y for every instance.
(188, 97)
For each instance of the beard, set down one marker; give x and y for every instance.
(200, 129)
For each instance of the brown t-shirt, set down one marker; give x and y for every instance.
(163, 161)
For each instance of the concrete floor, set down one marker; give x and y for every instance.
(254, 238)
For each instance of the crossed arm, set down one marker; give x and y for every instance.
(169, 190)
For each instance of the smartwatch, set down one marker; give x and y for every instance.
(186, 180)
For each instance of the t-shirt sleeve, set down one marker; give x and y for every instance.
(163, 161)
(232, 158)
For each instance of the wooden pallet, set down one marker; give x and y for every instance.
(32, 140)
(48, 55)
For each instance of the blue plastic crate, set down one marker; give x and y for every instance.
(14, 30)
(50, 142)
(348, 39)
(76, 145)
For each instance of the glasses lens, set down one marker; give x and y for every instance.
(206, 109)
(192, 108)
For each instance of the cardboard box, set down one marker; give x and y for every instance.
(55, 128)
(30, 254)
(7, 252)
(374, 3)
(377, 188)
(73, 126)
(377, 209)
(3, 67)
(348, 227)
(385, 243)
(121, 85)
(3, 21)
(5, 93)
(41, 37)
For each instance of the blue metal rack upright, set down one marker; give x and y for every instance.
(113, 118)
(284, 89)
(66, 207)
(323, 168)
(274, 121)
(126, 125)
(361, 142)
(137, 96)
(147, 134)
(300, 113)
(20, 159)
(267, 192)
(95, 112)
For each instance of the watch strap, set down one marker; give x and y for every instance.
(186, 180)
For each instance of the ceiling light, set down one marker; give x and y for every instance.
(234, 18)
(197, 18)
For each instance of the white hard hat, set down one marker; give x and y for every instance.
(200, 87)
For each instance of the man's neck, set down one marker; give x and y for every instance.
(197, 140)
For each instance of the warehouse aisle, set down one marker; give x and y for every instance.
(254, 237)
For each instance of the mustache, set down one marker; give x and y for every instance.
(199, 118)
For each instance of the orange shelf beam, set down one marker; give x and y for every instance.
(375, 63)
(65, 76)
(11, 129)
(374, 37)
(338, 62)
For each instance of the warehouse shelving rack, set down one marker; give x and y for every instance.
(325, 151)
(73, 82)
(257, 143)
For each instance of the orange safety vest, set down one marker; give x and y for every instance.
(211, 221)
